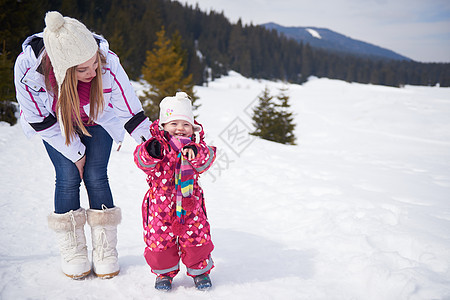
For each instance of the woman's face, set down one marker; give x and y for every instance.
(179, 128)
(88, 70)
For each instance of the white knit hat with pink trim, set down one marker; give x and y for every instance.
(68, 43)
(177, 108)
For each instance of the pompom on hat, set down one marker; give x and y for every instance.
(68, 43)
(178, 107)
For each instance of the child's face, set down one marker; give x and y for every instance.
(179, 128)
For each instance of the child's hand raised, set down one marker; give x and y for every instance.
(189, 153)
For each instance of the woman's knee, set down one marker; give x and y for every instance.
(68, 178)
(95, 177)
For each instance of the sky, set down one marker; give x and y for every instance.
(417, 29)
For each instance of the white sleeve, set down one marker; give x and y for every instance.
(38, 116)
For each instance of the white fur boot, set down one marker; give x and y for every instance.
(69, 228)
(104, 240)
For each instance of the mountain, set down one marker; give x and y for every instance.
(330, 40)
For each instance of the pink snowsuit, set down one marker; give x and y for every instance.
(164, 236)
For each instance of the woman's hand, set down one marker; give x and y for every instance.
(80, 165)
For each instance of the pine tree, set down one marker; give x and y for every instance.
(7, 92)
(286, 126)
(272, 120)
(164, 71)
(262, 115)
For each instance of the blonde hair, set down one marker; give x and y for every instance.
(68, 104)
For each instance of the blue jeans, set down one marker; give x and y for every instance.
(95, 177)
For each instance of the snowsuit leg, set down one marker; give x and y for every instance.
(163, 262)
(161, 253)
(197, 259)
(195, 244)
(164, 248)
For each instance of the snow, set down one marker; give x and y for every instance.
(358, 209)
(314, 33)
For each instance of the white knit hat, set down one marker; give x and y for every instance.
(68, 43)
(177, 108)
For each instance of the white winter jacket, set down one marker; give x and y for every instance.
(122, 109)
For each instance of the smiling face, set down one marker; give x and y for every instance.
(88, 70)
(179, 128)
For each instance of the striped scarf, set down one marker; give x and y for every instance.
(184, 177)
(184, 184)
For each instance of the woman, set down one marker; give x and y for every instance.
(74, 93)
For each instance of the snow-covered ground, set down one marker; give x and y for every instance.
(358, 209)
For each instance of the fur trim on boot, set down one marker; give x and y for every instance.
(104, 240)
(69, 229)
(104, 217)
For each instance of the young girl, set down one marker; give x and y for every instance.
(74, 93)
(173, 210)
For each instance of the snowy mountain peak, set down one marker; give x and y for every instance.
(314, 33)
(333, 41)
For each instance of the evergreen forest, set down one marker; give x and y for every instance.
(213, 45)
